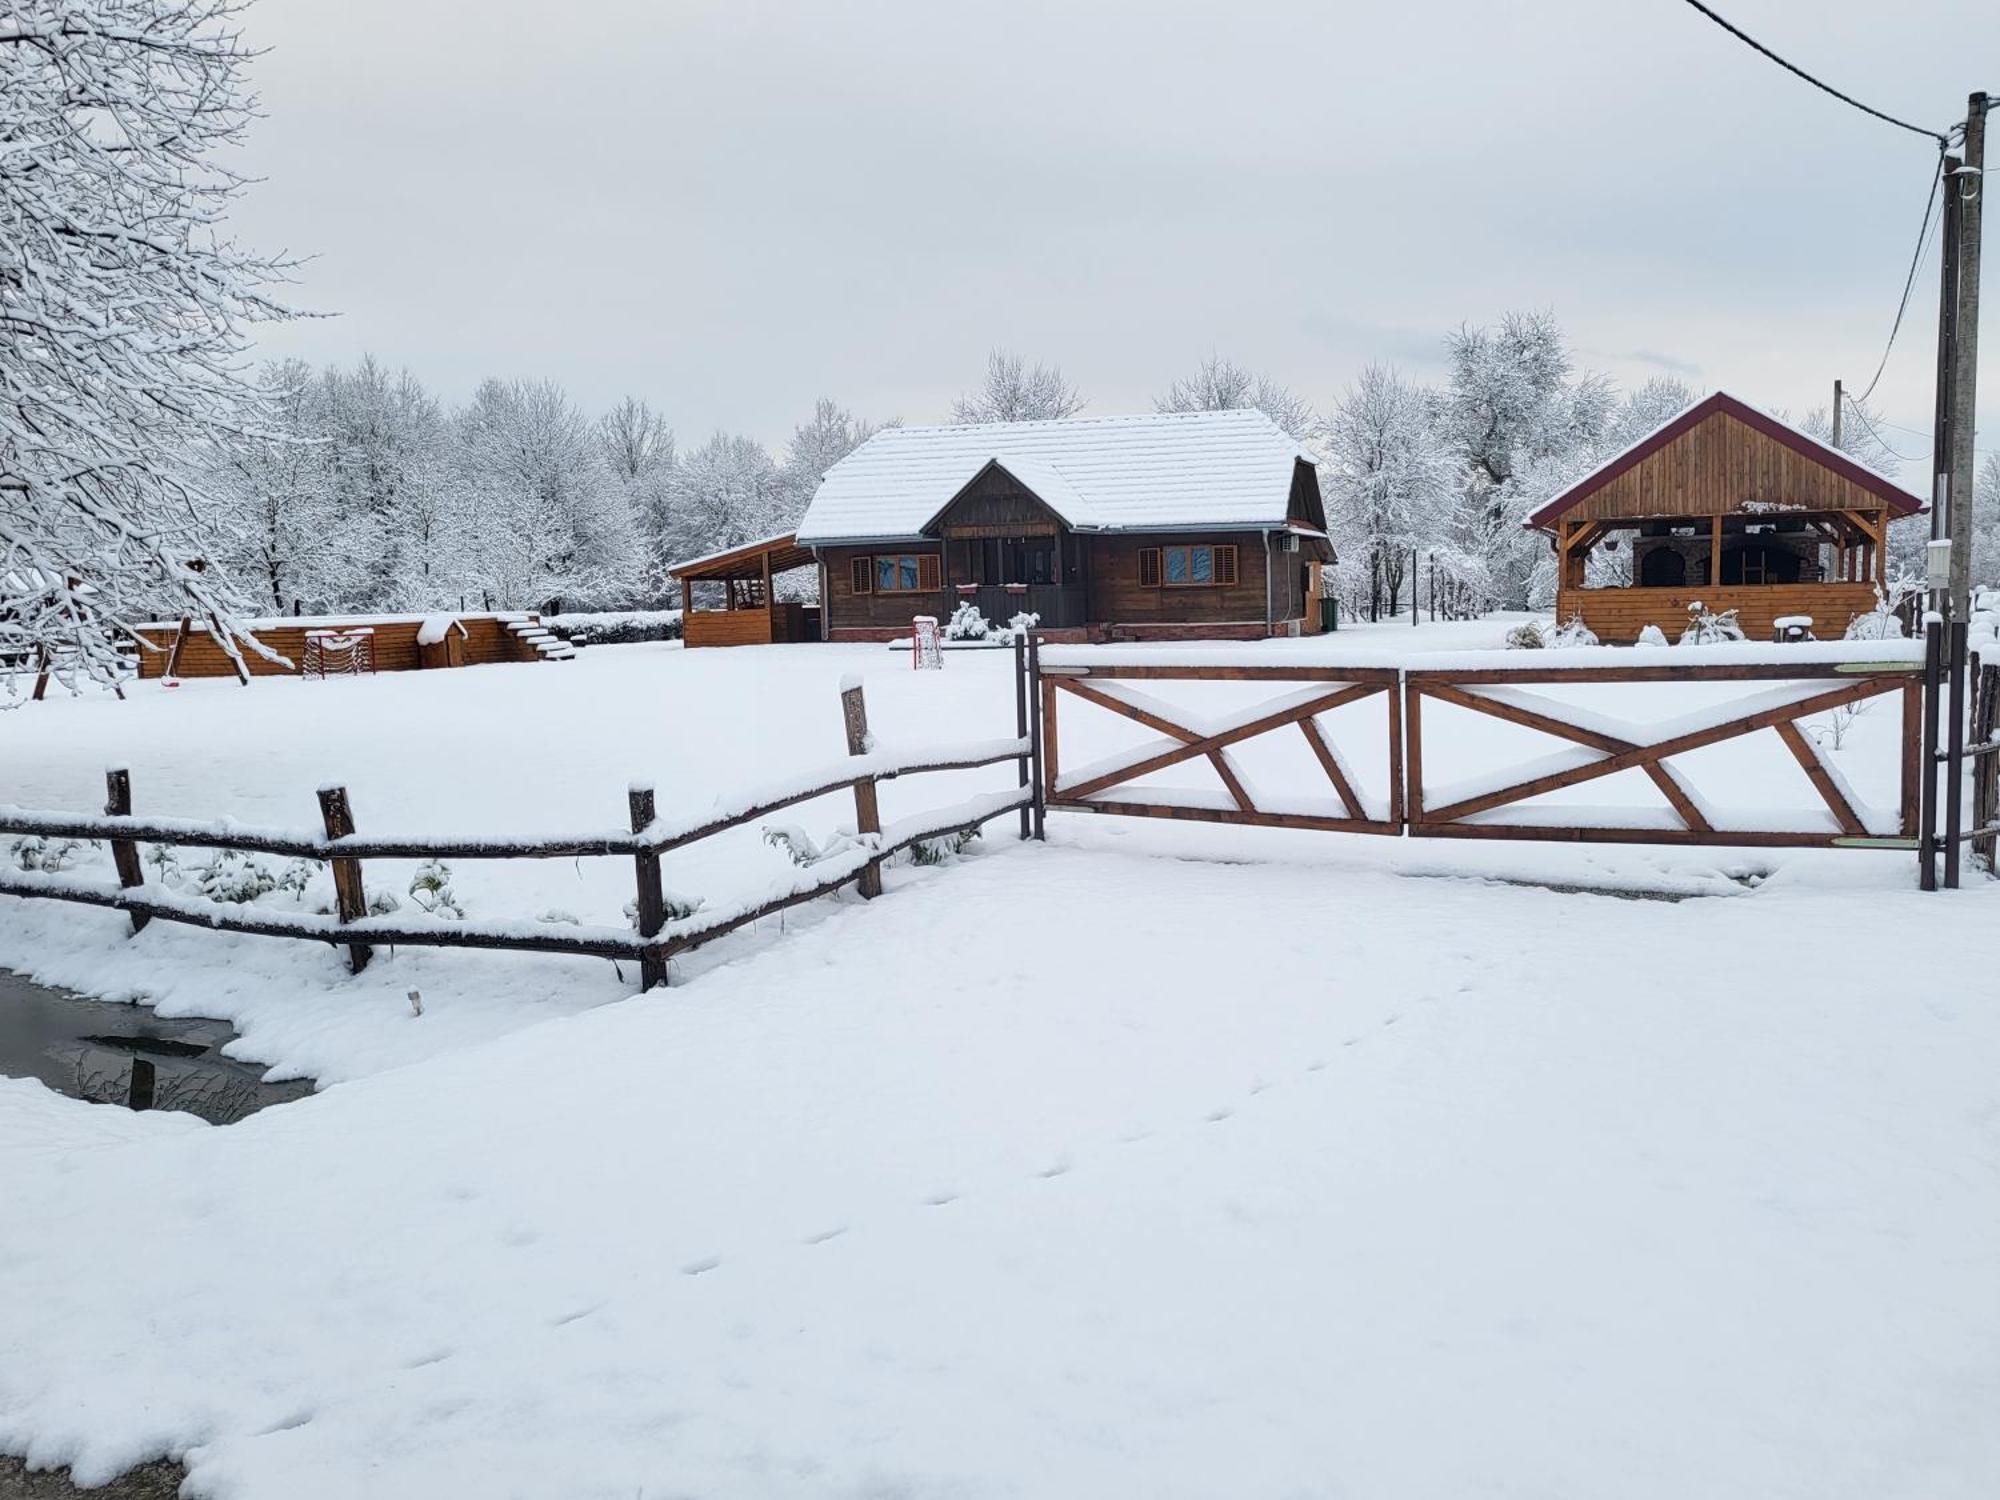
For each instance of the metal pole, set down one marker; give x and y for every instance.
(1836, 413)
(1927, 787)
(1941, 494)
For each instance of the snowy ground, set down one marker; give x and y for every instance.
(1159, 1160)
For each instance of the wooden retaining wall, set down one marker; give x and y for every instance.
(487, 640)
(1617, 615)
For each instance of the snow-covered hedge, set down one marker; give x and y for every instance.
(617, 627)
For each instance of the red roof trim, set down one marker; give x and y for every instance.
(1894, 496)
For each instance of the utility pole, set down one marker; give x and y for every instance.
(1966, 186)
(1938, 598)
(1836, 414)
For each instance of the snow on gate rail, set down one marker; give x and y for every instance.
(656, 939)
(1798, 680)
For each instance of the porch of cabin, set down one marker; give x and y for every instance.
(729, 598)
(1766, 564)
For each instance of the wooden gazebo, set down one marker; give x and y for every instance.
(1731, 509)
(750, 614)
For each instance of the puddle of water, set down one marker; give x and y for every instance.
(92, 1050)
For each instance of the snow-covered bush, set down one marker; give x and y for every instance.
(1572, 632)
(967, 623)
(298, 875)
(1526, 636)
(942, 850)
(799, 845)
(235, 877)
(1652, 635)
(431, 889)
(382, 903)
(166, 864)
(675, 907)
(1881, 623)
(618, 627)
(1707, 628)
(1018, 627)
(37, 853)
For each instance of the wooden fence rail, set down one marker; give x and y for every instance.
(656, 939)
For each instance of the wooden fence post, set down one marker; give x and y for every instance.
(349, 898)
(652, 902)
(124, 853)
(139, 1088)
(867, 816)
(1021, 725)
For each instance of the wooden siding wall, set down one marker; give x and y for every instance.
(782, 620)
(1118, 598)
(394, 644)
(1617, 615)
(847, 610)
(997, 504)
(1715, 468)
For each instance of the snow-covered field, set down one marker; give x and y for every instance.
(1159, 1160)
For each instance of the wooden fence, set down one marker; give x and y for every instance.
(655, 939)
(1492, 807)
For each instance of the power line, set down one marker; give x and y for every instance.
(1790, 67)
(1910, 281)
(1855, 408)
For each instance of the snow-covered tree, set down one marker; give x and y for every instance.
(553, 528)
(816, 446)
(1013, 391)
(725, 493)
(1389, 478)
(1222, 385)
(639, 454)
(284, 540)
(387, 452)
(124, 314)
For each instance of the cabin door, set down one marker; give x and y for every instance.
(1313, 588)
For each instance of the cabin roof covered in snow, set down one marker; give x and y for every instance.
(1822, 456)
(1160, 471)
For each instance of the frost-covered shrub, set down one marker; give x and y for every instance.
(298, 875)
(942, 850)
(675, 906)
(1018, 627)
(382, 903)
(617, 628)
(235, 877)
(967, 623)
(431, 889)
(799, 846)
(34, 852)
(166, 865)
(1707, 628)
(1652, 635)
(1881, 623)
(1572, 632)
(1526, 636)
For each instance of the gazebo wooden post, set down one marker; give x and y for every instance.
(770, 604)
(1715, 552)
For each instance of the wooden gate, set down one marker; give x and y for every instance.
(1106, 786)
(1601, 748)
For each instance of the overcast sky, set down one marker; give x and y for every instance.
(730, 209)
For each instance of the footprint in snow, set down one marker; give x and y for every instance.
(1216, 1116)
(435, 1357)
(563, 1320)
(296, 1420)
(1057, 1168)
(701, 1267)
(1317, 1065)
(826, 1234)
(939, 1200)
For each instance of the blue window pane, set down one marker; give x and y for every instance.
(885, 574)
(1201, 564)
(909, 583)
(1177, 565)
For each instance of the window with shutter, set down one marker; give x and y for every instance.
(1149, 567)
(1225, 565)
(861, 575)
(927, 573)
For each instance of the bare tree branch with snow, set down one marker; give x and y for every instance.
(1223, 385)
(123, 318)
(1015, 392)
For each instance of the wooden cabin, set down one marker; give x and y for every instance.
(396, 643)
(1186, 524)
(1731, 509)
(737, 604)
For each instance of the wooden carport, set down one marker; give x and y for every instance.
(750, 615)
